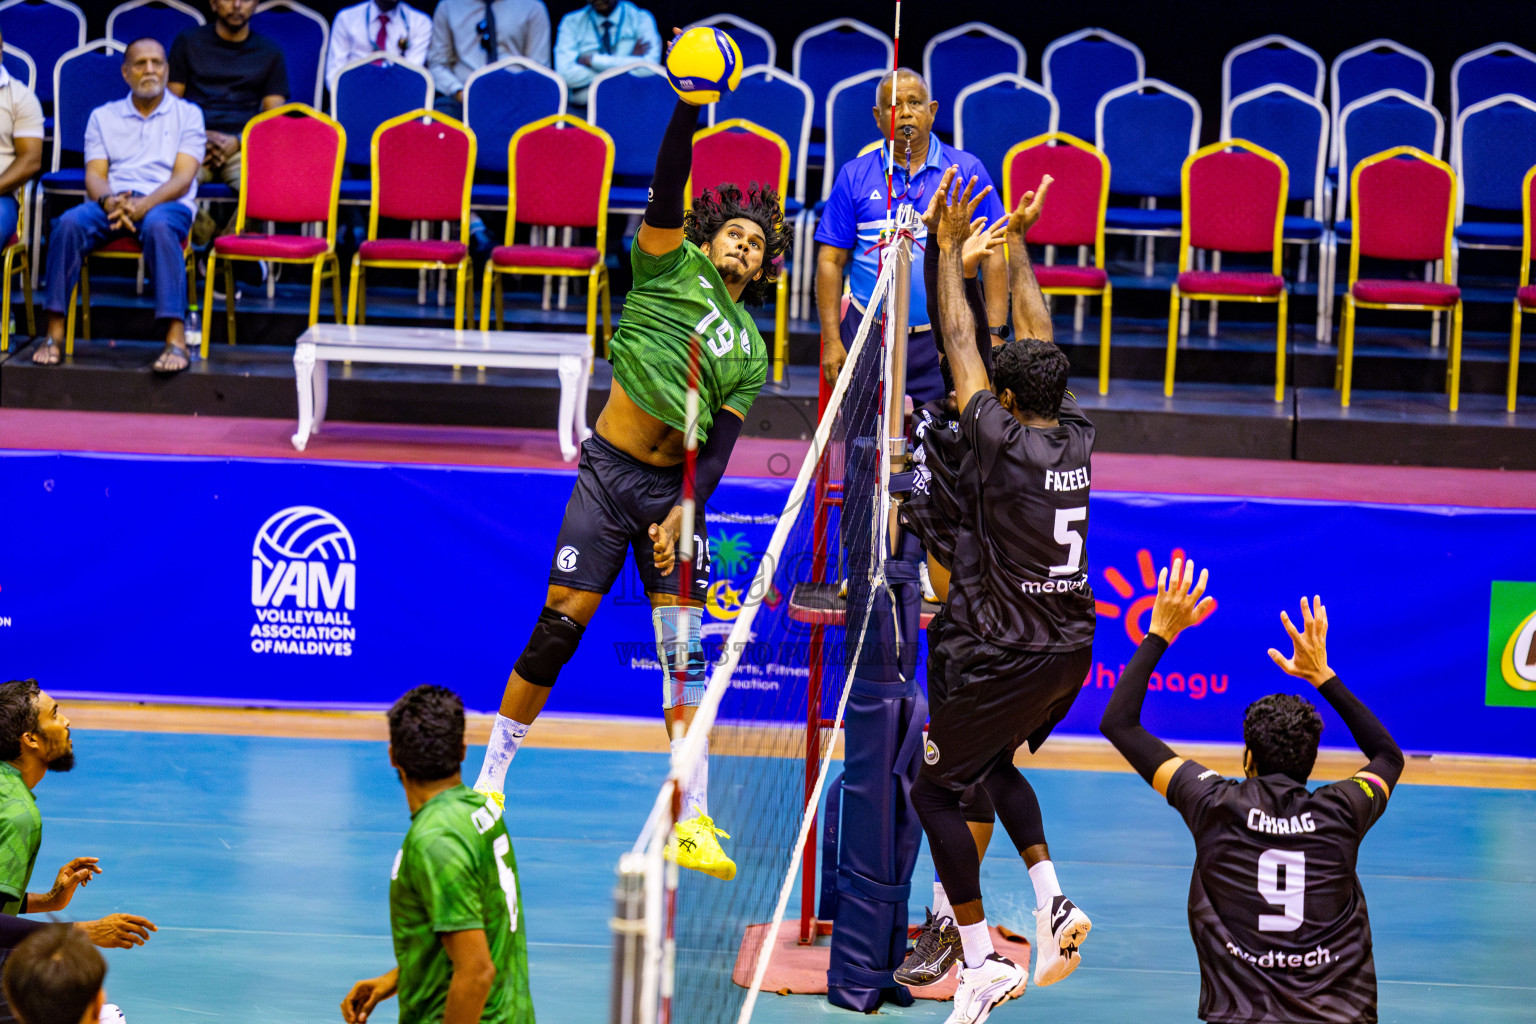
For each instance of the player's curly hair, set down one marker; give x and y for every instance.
(426, 733)
(18, 715)
(1035, 371)
(759, 204)
(1282, 731)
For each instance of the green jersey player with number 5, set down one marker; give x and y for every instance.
(454, 908)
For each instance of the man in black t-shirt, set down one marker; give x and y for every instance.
(233, 74)
(1019, 639)
(1275, 905)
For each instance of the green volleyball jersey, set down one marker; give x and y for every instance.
(455, 872)
(675, 295)
(21, 831)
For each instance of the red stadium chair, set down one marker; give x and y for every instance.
(741, 152)
(423, 166)
(1525, 298)
(559, 170)
(117, 249)
(290, 173)
(13, 262)
(1405, 209)
(1073, 216)
(1234, 196)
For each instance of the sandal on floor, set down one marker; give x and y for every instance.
(54, 350)
(172, 352)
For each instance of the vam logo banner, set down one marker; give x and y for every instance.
(303, 584)
(1511, 651)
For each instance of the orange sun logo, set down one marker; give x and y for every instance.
(1140, 607)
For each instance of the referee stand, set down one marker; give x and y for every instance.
(878, 827)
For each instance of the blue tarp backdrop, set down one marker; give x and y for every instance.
(342, 584)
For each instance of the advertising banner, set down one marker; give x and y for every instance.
(282, 582)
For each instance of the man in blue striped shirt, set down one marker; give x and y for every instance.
(850, 226)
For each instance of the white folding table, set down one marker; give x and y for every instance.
(569, 355)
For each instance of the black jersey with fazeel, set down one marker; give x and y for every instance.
(933, 509)
(1020, 571)
(1275, 907)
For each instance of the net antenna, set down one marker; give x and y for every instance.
(696, 947)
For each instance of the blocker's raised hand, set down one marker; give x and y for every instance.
(957, 208)
(1309, 656)
(1180, 601)
(1027, 212)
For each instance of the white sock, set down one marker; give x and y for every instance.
(696, 786)
(1043, 875)
(506, 737)
(941, 907)
(976, 941)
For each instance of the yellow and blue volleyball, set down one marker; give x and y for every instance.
(703, 64)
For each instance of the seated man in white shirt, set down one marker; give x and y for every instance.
(141, 159)
(21, 147)
(395, 28)
(604, 34)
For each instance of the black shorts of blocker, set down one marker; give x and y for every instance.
(992, 700)
(616, 499)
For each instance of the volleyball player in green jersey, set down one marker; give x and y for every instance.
(460, 954)
(693, 275)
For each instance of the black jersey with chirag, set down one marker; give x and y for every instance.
(1275, 907)
(1020, 572)
(933, 509)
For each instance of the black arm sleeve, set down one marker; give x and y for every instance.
(14, 929)
(1370, 735)
(674, 160)
(973, 296)
(710, 465)
(1122, 717)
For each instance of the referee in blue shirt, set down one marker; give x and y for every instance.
(855, 213)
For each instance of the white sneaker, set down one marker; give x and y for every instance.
(929, 594)
(1059, 930)
(984, 988)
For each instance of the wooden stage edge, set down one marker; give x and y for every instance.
(647, 736)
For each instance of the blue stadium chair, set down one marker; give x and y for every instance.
(850, 126)
(1294, 126)
(1493, 145)
(46, 29)
(1378, 122)
(84, 78)
(1080, 67)
(1491, 70)
(826, 54)
(967, 53)
(370, 91)
(1369, 68)
(302, 35)
(1271, 60)
(995, 114)
(498, 100)
(756, 43)
(157, 19)
(1146, 129)
(632, 104)
(18, 64)
(782, 104)
(1373, 124)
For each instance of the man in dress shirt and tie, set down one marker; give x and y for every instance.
(395, 28)
(141, 159)
(469, 34)
(602, 35)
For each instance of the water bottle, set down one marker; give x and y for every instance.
(194, 330)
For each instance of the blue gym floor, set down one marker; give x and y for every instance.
(266, 861)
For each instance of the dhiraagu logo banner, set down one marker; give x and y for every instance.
(1511, 653)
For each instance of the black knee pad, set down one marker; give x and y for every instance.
(554, 640)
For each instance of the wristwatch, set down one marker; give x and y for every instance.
(1001, 330)
(102, 202)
